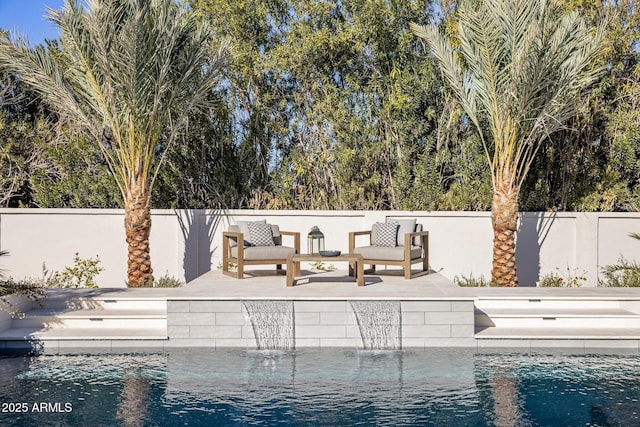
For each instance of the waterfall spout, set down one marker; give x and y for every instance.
(379, 323)
(272, 323)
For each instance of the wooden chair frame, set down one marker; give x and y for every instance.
(227, 257)
(406, 262)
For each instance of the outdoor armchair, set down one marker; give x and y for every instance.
(256, 243)
(399, 242)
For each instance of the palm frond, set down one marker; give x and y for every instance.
(128, 72)
(525, 65)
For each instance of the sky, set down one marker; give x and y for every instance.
(27, 18)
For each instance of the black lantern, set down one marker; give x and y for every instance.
(315, 241)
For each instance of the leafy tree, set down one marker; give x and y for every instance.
(521, 66)
(617, 105)
(22, 127)
(72, 174)
(358, 131)
(128, 72)
(332, 105)
(203, 168)
(323, 103)
(592, 164)
(41, 164)
(257, 95)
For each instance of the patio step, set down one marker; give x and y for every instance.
(83, 334)
(559, 333)
(94, 318)
(557, 318)
(103, 303)
(49, 318)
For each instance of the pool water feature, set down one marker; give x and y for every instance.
(435, 387)
(379, 323)
(272, 322)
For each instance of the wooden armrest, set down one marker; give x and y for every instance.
(296, 238)
(408, 237)
(352, 238)
(418, 233)
(236, 234)
(226, 247)
(232, 235)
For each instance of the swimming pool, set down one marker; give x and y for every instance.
(434, 387)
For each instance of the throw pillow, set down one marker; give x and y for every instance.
(244, 229)
(260, 234)
(386, 234)
(405, 226)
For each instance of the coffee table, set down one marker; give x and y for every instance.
(356, 265)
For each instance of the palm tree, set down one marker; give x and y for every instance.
(127, 73)
(519, 66)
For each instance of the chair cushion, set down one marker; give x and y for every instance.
(385, 234)
(260, 234)
(404, 226)
(383, 253)
(261, 253)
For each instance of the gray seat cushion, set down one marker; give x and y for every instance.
(260, 253)
(383, 253)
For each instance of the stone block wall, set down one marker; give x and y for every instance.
(438, 324)
(224, 323)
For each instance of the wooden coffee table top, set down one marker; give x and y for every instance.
(295, 260)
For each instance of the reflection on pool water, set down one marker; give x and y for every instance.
(437, 387)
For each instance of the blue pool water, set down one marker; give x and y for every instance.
(326, 387)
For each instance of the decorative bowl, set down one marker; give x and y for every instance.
(329, 253)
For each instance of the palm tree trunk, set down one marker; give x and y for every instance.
(137, 224)
(504, 217)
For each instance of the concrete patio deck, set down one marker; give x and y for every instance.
(383, 284)
(326, 285)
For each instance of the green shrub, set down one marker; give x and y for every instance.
(165, 281)
(321, 266)
(471, 281)
(623, 274)
(232, 266)
(31, 288)
(550, 280)
(81, 275)
(570, 279)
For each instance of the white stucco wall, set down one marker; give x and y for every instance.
(187, 243)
